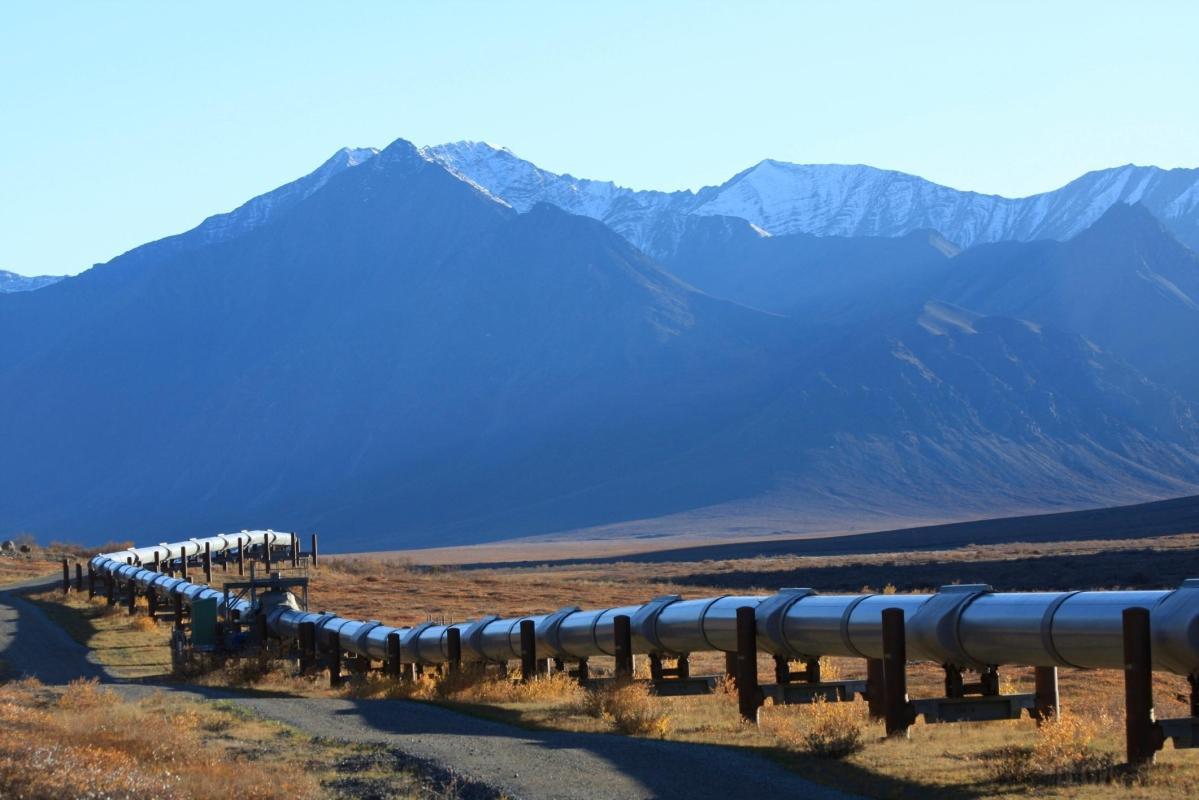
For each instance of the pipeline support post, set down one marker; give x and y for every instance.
(66, 576)
(207, 562)
(177, 609)
(295, 551)
(623, 646)
(241, 557)
(183, 562)
(896, 715)
(875, 689)
(393, 655)
(307, 634)
(749, 695)
(453, 648)
(334, 643)
(91, 581)
(111, 580)
(152, 604)
(131, 588)
(528, 650)
(313, 550)
(1046, 699)
(157, 562)
(78, 577)
(1143, 736)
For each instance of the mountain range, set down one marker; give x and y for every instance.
(446, 345)
(12, 282)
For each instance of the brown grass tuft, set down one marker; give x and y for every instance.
(822, 729)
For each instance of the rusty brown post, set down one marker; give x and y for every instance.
(1046, 700)
(157, 562)
(393, 655)
(895, 678)
(241, 557)
(334, 643)
(749, 696)
(112, 588)
(1143, 737)
(622, 633)
(730, 665)
(66, 576)
(453, 648)
(295, 550)
(207, 562)
(314, 549)
(528, 650)
(91, 581)
(78, 577)
(266, 555)
(307, 636)
(177, 608)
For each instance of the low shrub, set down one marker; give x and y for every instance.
(821, 729)
(629, 707)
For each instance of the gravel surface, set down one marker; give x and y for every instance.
(516, 762)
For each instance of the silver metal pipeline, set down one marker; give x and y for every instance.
(125, 565)
(963, 626)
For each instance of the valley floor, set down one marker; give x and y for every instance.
(520, 730)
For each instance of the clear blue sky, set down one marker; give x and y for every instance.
(124, 122)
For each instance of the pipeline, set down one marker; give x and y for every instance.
(969, 627)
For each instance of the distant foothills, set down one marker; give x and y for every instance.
(420, 346)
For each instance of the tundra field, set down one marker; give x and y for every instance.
(836, 744)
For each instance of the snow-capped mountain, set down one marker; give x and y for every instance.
(12, 282)
(836, 200)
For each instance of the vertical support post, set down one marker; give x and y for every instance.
(582, 672)
(295, 550)
(1143, 738)
(266, 555)
(453, 648)
(78, 577)
(393, 655)
(812, 670)
(307, 635)
(183, 562)
(314, 549)
(112, 588)
(875, 692)
(157, 562)
(1046, 700)
(334, 641)
(730, 665)
(91, 581)
(528, 650)
(208, 562)
(260, 631)
(241, 556)
(152, 604)
(749, 696)
(131, 588)
(1193, 679)
(66, 576)
(895, 677)
(177, 609)
(623, 646)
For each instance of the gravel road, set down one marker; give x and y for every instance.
(517, 762)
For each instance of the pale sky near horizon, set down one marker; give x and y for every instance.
(122, 122)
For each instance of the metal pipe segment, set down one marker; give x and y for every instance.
(963, 626)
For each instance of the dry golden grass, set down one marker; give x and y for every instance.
(821, 729)
(85, 742)
(128, 647)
